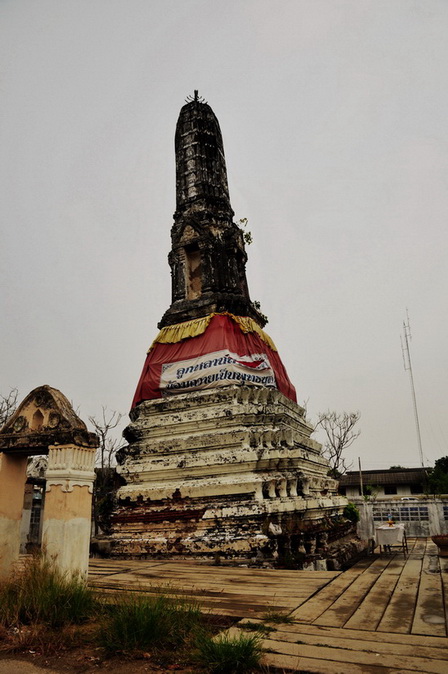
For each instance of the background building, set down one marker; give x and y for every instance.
(393, 482)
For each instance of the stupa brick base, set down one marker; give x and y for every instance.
(230, 471)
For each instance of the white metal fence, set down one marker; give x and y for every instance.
(421, 518)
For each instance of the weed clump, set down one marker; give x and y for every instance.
(136, 622)
(278, 618)
(44, 610)
(229, 655)
(256, 627)
(40, 593)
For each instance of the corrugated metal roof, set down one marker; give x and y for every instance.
(380, 477)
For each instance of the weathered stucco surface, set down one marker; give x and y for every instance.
(230, 471)
(66, 541)
(13, 477)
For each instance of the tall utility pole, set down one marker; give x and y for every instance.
(408, 366)
(361, 486)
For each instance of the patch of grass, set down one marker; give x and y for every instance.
(40, 593)
(256, 627)
(137, 622)
(277, 617)
(229, 655)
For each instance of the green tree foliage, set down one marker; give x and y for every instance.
(351, 512)
(438, 478)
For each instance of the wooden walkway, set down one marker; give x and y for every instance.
(223, 590)
(385, 614)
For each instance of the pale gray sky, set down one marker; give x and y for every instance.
(334, 118)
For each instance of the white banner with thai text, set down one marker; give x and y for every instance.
(220, 368)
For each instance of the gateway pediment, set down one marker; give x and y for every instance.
(44, 418)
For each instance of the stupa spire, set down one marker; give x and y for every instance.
(208, 257)
(201, 175)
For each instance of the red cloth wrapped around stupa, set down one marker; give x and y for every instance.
(217, 350)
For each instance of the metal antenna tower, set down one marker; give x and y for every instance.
(408, 366)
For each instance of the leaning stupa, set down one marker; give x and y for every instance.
(220, 460)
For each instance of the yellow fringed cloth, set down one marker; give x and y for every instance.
(172, 334)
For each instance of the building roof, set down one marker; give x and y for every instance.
(381, 477)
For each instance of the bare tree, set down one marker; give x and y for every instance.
(108, 445)
(340, 434)
(106, 478)
(8, 405)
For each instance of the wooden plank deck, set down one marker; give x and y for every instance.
(385, 614)
(232, 591)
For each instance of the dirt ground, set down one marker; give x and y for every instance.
(50, 656)
(78, 662)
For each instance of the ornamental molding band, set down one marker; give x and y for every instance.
(69, 466)
(220, 460)
(67, 485)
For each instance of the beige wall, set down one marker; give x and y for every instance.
(12, 481)
(68, 505)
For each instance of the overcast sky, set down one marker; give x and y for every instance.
(334, 119)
